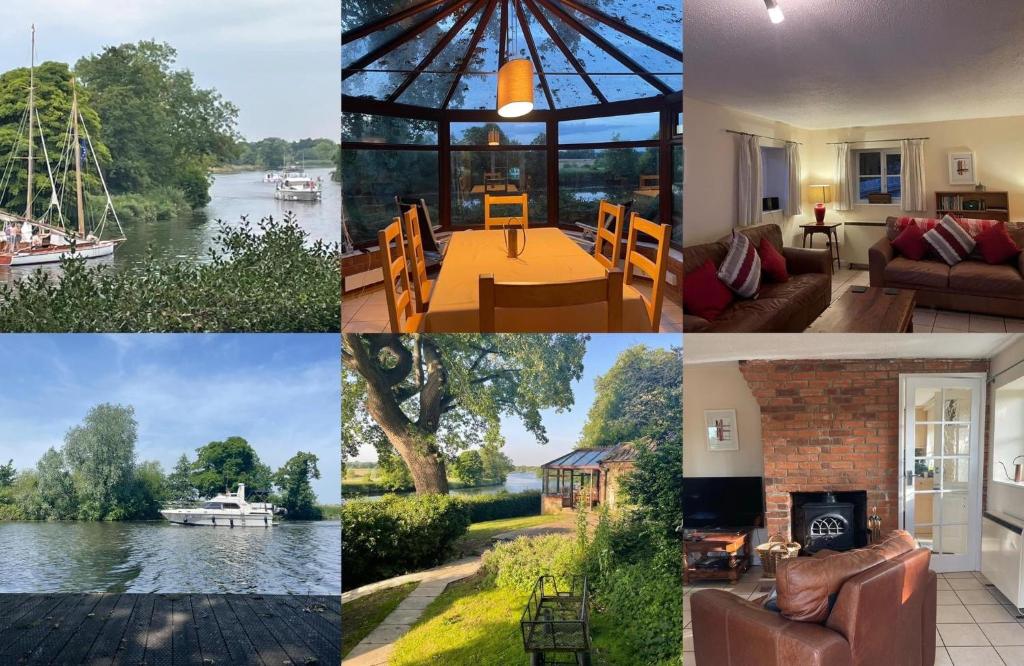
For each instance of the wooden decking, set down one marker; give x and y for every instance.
(160, 629)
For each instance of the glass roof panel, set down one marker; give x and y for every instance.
(368, 84)
(360, 12)
(617, 88)
(653, 61)
(567, 90)
(590, 55)
(480, 91)
(430, 88)
(662, 20)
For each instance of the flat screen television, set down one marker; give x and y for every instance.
(723, 501)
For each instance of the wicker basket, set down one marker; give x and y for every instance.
(776, 549)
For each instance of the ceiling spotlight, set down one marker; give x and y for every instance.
(774, 11)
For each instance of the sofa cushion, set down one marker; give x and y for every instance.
(977, 277)
(807, 586)
(704, 295)
(741, 270)
(996, 245)
(950, 241)
(910, 243)
(925, 273)
(773, 264)
(776, 305)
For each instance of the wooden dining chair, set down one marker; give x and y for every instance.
(609, 215)
(655, 270)
(511, 199)
(396, 275)
(422, 286)
(606, 289)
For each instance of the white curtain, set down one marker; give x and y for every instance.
(749, 187)
(845, 186)
(794, 194)
(912, 174)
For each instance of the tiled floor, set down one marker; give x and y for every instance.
(367, 312)
(930, 320)
(976, 625)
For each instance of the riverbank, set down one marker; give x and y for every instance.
(362, 487)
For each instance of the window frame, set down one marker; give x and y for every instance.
(882, 153)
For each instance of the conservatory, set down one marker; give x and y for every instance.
(541, 122)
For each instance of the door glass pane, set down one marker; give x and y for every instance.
(956, 440)
(925, 535)
(956, 405)
(927, 440)
(954, 539)
(926, 404)
(955, 473)
(952, 507)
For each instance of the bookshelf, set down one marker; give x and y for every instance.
(973, 205)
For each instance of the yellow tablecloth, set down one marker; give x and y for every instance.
(550, 256)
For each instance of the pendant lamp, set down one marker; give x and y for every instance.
(493, 138)
(515, 88)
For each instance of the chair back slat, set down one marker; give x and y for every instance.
(655, 270)
(520, 200)
(605, 289)
(417, 259)
(397, 290)
(613, 236)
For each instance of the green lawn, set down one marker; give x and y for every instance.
(478, 537)
(361, 616)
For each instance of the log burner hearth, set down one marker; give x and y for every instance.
(835, 521)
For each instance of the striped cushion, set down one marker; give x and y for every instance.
(741, 270)
(950, 241)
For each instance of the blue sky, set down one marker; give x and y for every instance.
(564, 429)
(280, 392)
(276, 61)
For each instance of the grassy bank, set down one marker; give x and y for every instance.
(360, 482)
(330, 511)
(361, 616)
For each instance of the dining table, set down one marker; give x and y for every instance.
(548, 256)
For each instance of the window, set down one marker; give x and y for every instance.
(497, 172)
(634, 127)
(586, 176)
(371, 180)
(212, 505)
(775, 179)
(229, 506)
(878, 172)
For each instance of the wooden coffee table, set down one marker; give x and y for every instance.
(731, 546)
(871, 311)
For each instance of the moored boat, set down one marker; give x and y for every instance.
(298, 188)
(225, 510)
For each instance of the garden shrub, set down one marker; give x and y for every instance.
(396, 535)
(643, 607)
(502, 505)
(517, 564)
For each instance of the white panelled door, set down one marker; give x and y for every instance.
(940, 487)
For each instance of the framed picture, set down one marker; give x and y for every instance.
(962, 169)
(722, 433)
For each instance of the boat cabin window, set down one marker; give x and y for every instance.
(229, 506)
(212, 505)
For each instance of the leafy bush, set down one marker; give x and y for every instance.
(517, 564)
(395, 535)
(643, 610)
(502, 505)
(156, 205)
(265, 279)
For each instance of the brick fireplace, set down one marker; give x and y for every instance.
(833, 426)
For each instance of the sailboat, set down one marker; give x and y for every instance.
(26, 239)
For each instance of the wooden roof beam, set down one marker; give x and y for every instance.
(626, 29)
(566, 51)
(464, 65)
(524, 25)
(373, 26)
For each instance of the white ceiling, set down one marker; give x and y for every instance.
(706, 348)
(849, 63)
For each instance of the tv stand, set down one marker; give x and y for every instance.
(716, 554)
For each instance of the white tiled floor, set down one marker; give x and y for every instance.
(930, 320)
(367, 312)
(976, 625)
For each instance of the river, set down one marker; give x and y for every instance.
(290, 558)
(516, 482)
(232, 195)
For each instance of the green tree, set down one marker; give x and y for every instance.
(223, 465)
(655, 485)
(149, 491)
(53, 496)
(7, 474)
(496, 465)
(393, 474)
(469, 468)
(639, 397)
(430, 396)
(297, 494)
(179, 483)
(100, 455)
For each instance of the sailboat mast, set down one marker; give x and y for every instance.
(31, 118)
(78, 160)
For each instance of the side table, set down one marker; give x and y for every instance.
(831, 238)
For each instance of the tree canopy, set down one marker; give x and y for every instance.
(101, 454)
(297, 494)
(221, 466)
(430, 396)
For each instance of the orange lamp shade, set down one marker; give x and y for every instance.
(515, 88)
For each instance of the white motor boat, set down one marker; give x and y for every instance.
(225, 510)
(272, 177)
(298, 188)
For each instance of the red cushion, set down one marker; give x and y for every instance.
(704, 294)
(996, 245)
(773, 264)
(910, 243)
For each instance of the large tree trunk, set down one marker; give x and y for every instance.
(428, 470)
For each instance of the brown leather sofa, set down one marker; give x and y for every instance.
(789, 307)
(970, 286)
(884, 612)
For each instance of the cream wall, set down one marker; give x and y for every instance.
(720, 386)
(1005, 498)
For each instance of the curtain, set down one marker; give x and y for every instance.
(846, 188)
(793, 194)
(912, 175)
(749, 186)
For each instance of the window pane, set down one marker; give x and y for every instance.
(475, 173)
(509, 134)
(894, 186)
(614, 174)
(372, 178)
(635, 127)
(870, 164)
(892, 164)
(677, 194)
(383, 129)
(870, 185)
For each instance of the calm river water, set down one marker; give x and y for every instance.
(232, 196)
(296, 558)
(516, 482)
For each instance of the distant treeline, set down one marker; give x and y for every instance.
(275, 153)
(95, 476)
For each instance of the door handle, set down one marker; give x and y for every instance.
(910, 477)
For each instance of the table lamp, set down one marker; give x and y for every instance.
(824, 193)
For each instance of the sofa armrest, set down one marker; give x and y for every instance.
(1020, 263)
(806, 260)
(879, 256)
(730, 631)
(694, 324)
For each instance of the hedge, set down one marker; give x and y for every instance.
(502, 505)
(396, 535)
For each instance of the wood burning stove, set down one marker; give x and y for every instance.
(820, 520)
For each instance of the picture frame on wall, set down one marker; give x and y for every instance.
(962, 168)
(721, 430)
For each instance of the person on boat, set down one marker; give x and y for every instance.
(5, 236)
(26, 233)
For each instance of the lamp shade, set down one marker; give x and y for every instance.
(493, 138)
(822, 193)
(515, 88)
